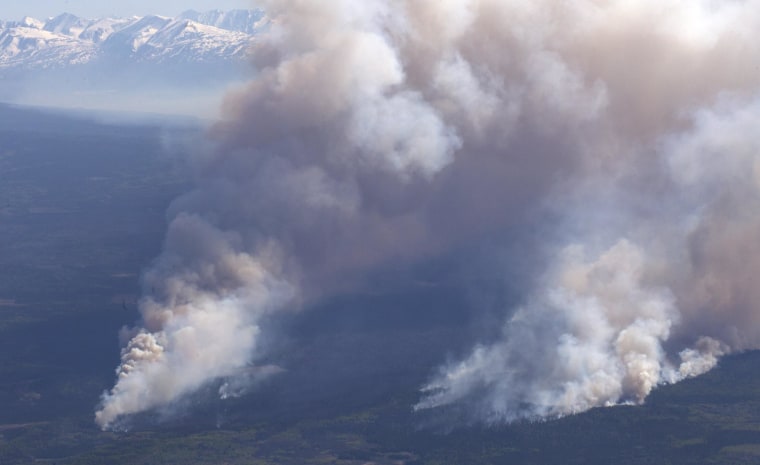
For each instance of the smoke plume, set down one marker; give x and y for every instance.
(613, 137)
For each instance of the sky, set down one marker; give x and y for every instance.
(14, 10)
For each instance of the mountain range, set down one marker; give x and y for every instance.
(67, 40)
(72, 61)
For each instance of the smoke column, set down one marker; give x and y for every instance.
(616, 136)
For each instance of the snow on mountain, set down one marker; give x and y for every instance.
(67, 40)
(129, 39)
(99, 30)
(30, 22)
(247, 21)
(180, 65)
(27, 44)
(190, 39)
(67, 24)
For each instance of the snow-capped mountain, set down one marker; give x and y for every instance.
(154, 38)
(153, 63)
(27, 44)
(67, 40)
(247, 21)
(66, 24)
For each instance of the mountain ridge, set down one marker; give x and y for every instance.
(169, 65)
(69, 40)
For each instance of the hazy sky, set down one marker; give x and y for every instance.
(13, 9)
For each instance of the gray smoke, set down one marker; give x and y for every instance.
(616, 135)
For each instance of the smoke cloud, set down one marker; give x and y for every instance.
(613, 137)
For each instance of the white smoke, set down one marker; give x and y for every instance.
(593, 336)
(204, 324)
(618, 132)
